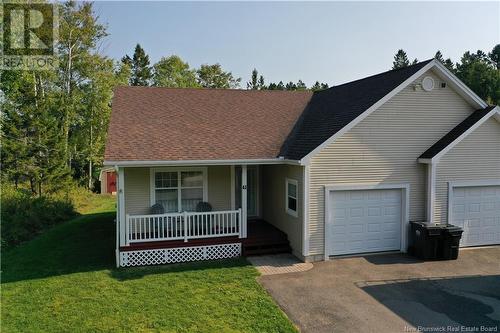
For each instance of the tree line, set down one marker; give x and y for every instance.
(173, 72)
(54, 123)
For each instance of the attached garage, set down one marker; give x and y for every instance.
(362, 219)
(477, 210)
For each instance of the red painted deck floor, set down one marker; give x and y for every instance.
(262, 238)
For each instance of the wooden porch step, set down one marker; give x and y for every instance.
(264, 238)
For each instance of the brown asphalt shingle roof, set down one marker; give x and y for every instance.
(152, 124)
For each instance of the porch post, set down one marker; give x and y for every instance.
(244, 204)
(121, 207)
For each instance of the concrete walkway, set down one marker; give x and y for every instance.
(279, 264)
(393, 293)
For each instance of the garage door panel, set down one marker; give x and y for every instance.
(367, 221)
(374, 227)
(477, 211)
(374, 211)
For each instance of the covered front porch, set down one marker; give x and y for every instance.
(176, 214)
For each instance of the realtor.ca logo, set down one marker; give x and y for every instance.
(29, 35)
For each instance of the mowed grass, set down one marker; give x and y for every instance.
(65, 281)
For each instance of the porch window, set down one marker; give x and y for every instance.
(291, 197)
(179, 190)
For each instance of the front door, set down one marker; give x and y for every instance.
(252, 189)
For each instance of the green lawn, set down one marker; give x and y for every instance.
(65, 281)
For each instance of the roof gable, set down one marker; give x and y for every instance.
(458, 133)
(331, 110)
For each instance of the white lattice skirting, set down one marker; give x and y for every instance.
(179, 254)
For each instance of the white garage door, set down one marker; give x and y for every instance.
(477, 211)
(364, 221)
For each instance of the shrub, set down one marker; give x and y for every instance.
(24, 216)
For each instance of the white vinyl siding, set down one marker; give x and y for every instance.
(274, 201)
(219, 187)
(137, 193)
(383, 149)
(137, 189)
(475, 158)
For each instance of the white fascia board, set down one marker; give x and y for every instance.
(493, 112)
(439, 68)
(306, 159)
(199, 162)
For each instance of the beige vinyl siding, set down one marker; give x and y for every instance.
(219, 187)
(274, 201)
(477, 157)
(137, 189)
(384, 147)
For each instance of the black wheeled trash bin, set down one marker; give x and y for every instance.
(451, 242)
(425, 240)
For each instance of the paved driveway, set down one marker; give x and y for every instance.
(393, 293)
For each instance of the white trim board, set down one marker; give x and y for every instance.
(431, 191)
(305, 211)
(405, 209)
(439, 69)
(495, 112)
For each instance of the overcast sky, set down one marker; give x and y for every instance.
(332, 42)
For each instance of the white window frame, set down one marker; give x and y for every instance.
(152, 185)
(294, 213)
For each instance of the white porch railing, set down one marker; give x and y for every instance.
(182, 226)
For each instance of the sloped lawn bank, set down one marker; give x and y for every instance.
(65, 281)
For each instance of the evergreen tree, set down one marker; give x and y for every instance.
(319, 86)
(400, 60)
(254, 80)
(447, 63)
(262, 83)
(140, 67)
(439, 56)
(495, 56)
(290, 86)
(280, 86)
(301, 85)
